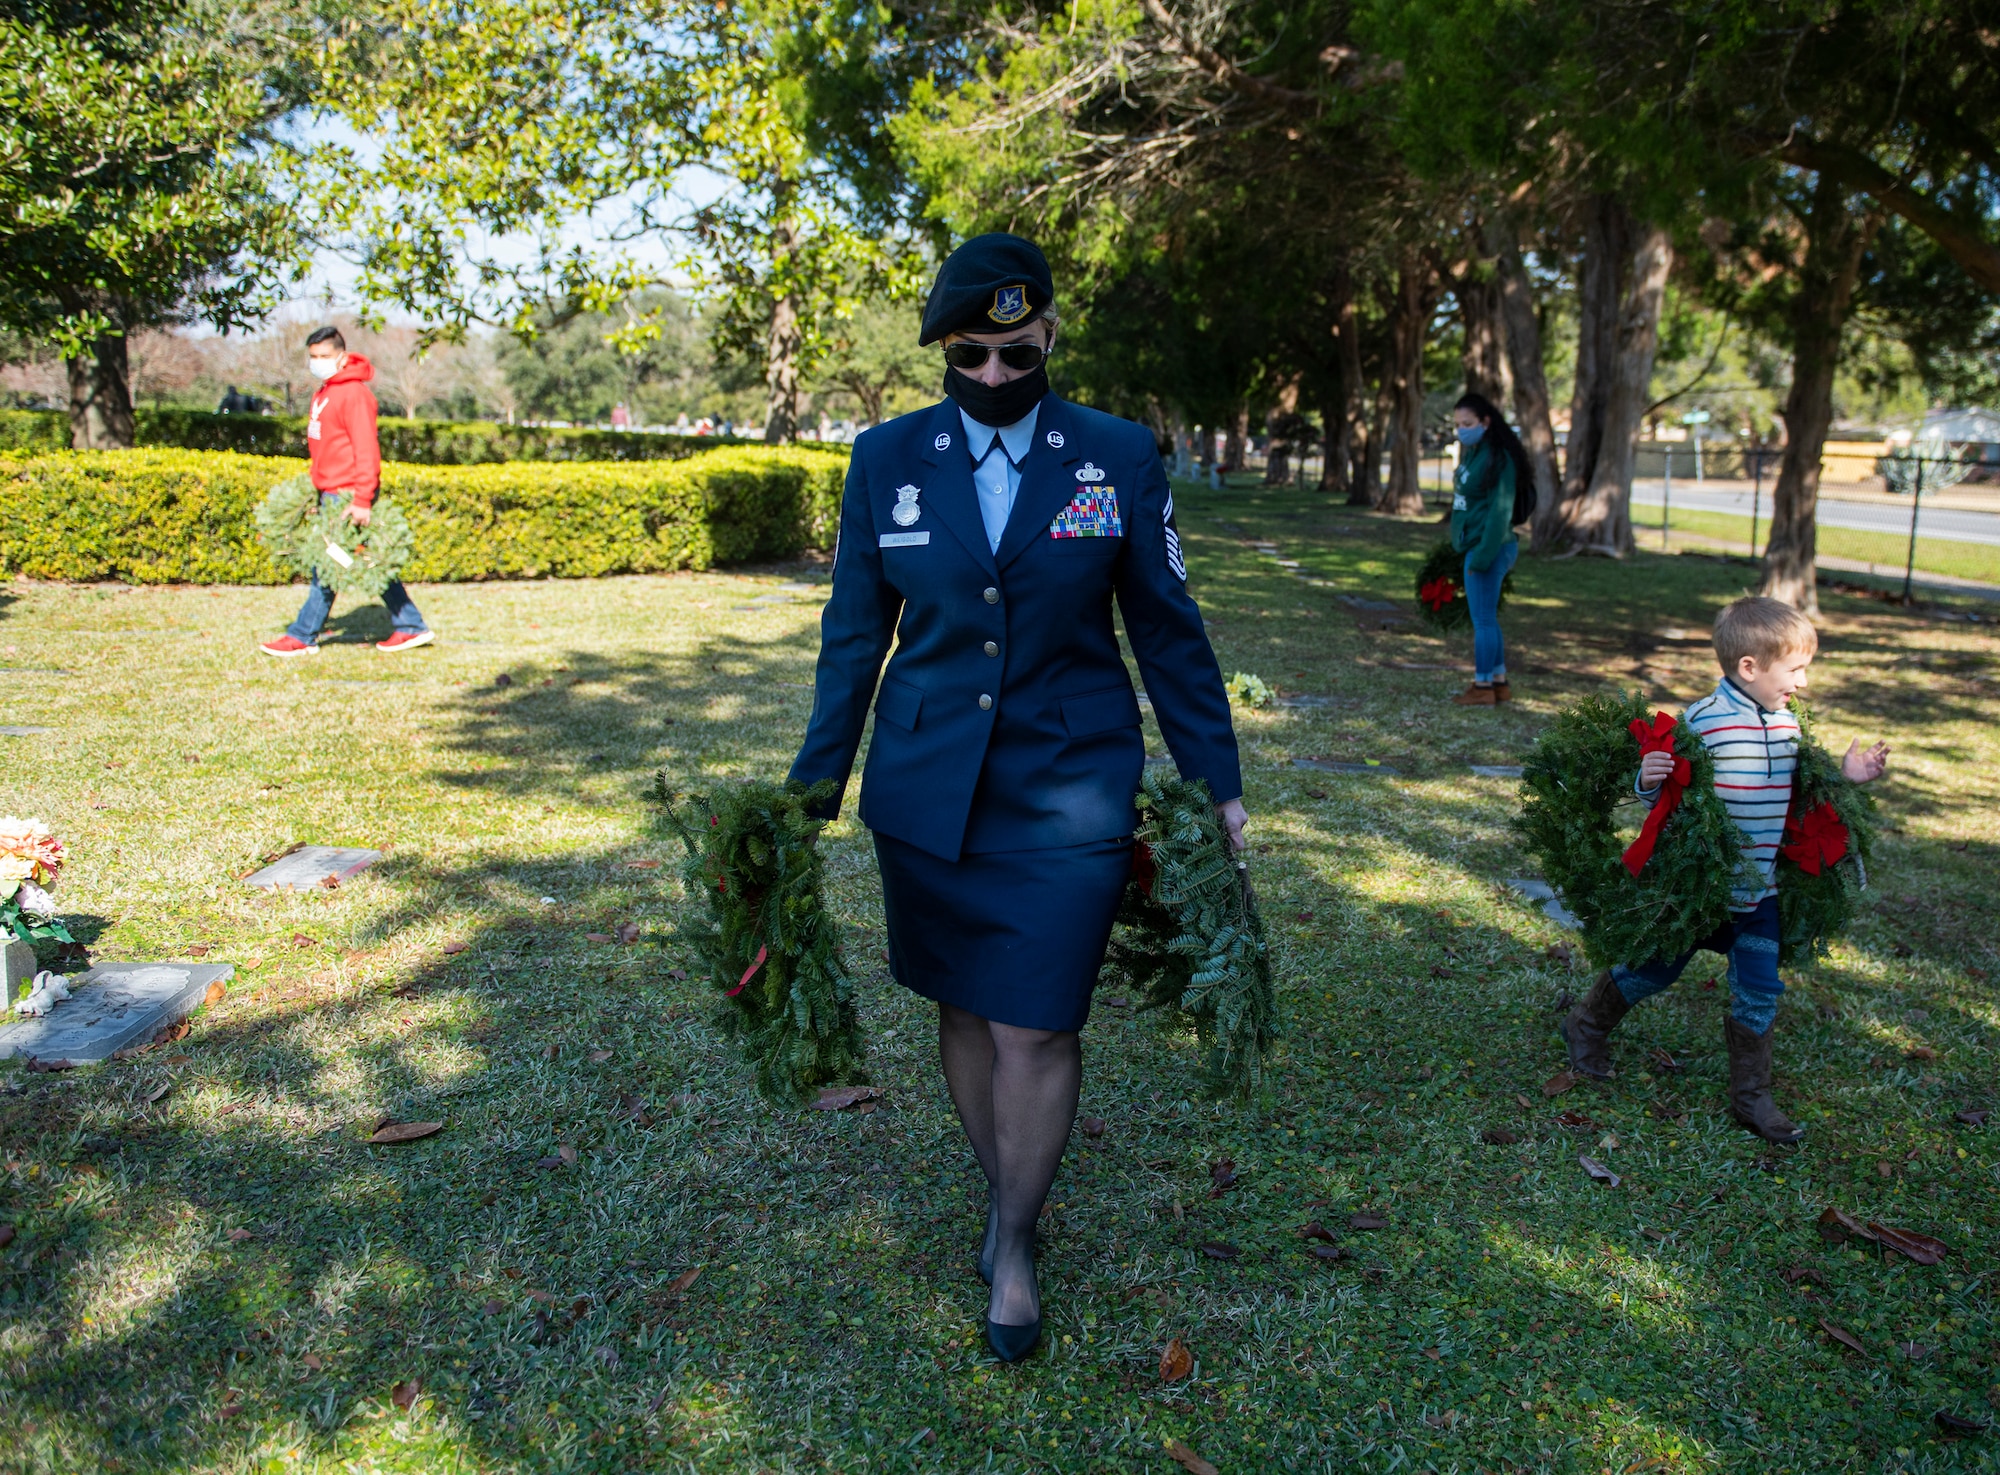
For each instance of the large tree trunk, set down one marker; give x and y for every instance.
(1606, 228)
(1416, 298)
(100, 397)
(1484, 356)
(1236, 445)
(1516, 298)
(1342, 410)
(1601, 520)
(782, 346)
(1835, 241)
(1374, 441)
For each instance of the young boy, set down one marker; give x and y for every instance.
(340, 439)
(1764, 647)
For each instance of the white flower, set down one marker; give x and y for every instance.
(34, 899)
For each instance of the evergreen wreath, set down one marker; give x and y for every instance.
(319, 540)
(1441, 589)
(1189, 936)
(1823, 857)
(1579, 774)
(771, 945)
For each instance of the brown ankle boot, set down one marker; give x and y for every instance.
(1750, 1085)
(1589, 1025)
(1475, 695)
(1500, 692)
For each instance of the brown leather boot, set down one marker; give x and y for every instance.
(1500, 692)
(1475, 695)
(1750, 1085)
(1589, 1025)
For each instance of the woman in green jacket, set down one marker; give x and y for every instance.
(1491, 464)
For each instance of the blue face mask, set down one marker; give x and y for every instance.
(1468, 435)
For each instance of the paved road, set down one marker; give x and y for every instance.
(1949, 524)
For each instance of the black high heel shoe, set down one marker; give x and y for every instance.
(1012, 1343)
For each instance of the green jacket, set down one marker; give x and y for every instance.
(1482, 506)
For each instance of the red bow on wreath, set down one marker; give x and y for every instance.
(1657, 738)
(1143, 869)
(1438, 593)
(1814, 839)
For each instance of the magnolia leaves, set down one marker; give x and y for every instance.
(1836, 1226)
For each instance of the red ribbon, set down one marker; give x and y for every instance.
(1438, 593)
(1143, 869)
(748, 973)
(1815, 839)
(1657, 738)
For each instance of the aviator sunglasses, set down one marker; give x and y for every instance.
(967, 357)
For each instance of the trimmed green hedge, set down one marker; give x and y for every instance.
(187, 517)
(418, 442)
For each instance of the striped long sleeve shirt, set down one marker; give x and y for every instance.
(1756, 754)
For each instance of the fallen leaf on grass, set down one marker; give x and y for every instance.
(331, 883)
(1843, 1336)
(1367, 1221)
(1329, 1253)
(158, 1091)
(299, 939)
(1221, 1177)
(403, 1395)
(198, 950)
(1920, 1052)
(404, 1132)
(1523, 1102)
(553, 1160)
(215, 995)
(7, 1232)
(1576, 1121)
(567, 1153)
(1317, 1230)
(1915, 1351)
(1559, 953)
(679, 1284)
(839, 1098)
(237, 1236)
(1093, 1127)
(1498, 1137)
(1975, 1117)
(1188, 1460)
(495, 1306)
(166, 1034)
(1558, 1083)
(313, 1361)
(598, 937)
(632, 1108)
(456, 947)
(598, 1057)
(1217, 1249)
(230, 1410)
(679, 975)
(1956, 1426)
(1836, 1225)
(1661, 1059)
(628, 933)
(1597, 1171)
(1919, 1247)
(551, 1050)
(1884, 1168)
(642, 865)
(1176, 1362)
(1798, 1273)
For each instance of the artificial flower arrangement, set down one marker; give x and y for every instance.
(30, 860)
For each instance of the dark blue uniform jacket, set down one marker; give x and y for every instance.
(1006, 719)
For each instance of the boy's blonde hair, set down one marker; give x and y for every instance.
(1763, 629)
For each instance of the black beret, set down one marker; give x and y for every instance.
(991, 283)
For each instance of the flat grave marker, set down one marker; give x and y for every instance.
(1497, 770)
(1327, 765)
(1541, 891)
(309, 865)
(112, 1007)
(24, 731)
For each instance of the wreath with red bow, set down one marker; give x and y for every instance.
(1823, 856)
(1441, 589)
(1639, 896)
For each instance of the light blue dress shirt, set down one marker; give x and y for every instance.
(998, 478)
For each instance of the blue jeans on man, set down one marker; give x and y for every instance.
(1482, 593)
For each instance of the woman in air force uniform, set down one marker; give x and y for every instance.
(989, 535)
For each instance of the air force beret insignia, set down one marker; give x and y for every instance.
(1010, 305)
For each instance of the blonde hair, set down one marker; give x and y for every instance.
(1763, 629)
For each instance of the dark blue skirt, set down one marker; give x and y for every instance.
(1014, 936)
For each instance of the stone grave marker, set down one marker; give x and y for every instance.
(1497, 770)
(17, 969)
(24, 731)
(112, 1007)
(307, 866)
(1541, 891)
(1327, 765)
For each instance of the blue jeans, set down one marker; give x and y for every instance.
(403, 613)
(1482, 593)
(1750, 941)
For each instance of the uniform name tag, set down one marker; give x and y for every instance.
(904, 540)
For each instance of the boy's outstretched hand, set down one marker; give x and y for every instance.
(1654, 769)
(1863, 765)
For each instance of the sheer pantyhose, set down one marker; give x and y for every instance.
(1016, 1092)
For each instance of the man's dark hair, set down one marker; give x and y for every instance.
(328, 334)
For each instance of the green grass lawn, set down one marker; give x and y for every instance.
(228, 1278)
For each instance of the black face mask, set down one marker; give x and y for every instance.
(996, 404)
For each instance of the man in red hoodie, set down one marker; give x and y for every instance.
(346, 457)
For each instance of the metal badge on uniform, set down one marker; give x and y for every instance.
(907, 511)
(1092, 513)
(943, 442)
(1090, 471)
(1056, 439)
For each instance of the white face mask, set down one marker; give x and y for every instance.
(322, 368)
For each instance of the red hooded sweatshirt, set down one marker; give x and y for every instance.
(340, 435)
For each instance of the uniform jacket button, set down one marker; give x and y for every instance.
(985, 701)
(992, 596)
(992, 649)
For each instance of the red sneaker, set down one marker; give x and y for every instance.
(286, 645)
(406, 640)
